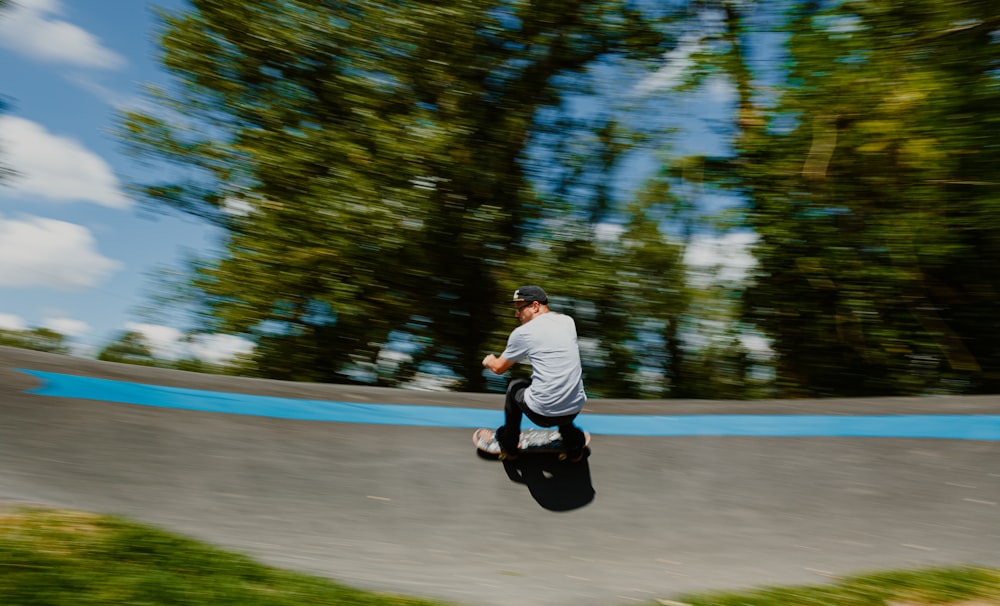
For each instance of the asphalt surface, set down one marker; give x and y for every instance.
(415, 511)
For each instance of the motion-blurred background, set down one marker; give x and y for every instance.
(734, 199)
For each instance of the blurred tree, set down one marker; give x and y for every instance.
(620, 269)
(872, 186)
(195, 365)
(129, 348)
(367, 161)
(626, 291)
(38, 339)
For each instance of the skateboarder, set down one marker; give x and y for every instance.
(554, 396)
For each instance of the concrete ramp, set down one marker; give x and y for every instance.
(413, 510)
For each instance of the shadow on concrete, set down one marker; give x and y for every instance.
(556, 485)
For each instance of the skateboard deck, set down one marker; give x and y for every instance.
(533, 441)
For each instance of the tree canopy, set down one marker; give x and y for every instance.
(384, 173)
(38, 339)
(368, 162)
(869, 178)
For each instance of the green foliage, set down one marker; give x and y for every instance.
(129, 348)
(623, 293)
(38, 339)
(376, 170)
(368, 163)
(870, 183)
(891, 258)
(57, 558)
(937, 586)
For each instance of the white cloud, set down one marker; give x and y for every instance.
(237, 207)
(164, 341)
(33, 28)
(56, 167)
(218, 348)
(69, 327)
(720, 90)
(728, 256)
(676, 64)
(35, 251)
(757, 345)
(608, 232)
(171, 344)
(12, 322)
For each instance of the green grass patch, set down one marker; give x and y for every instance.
(57, 558)
(949, 586)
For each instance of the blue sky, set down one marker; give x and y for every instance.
(75, 252)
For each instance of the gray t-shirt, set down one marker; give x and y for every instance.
(549, 343)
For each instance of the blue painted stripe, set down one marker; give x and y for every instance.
(956, 427)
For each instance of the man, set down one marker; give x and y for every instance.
(554, 396)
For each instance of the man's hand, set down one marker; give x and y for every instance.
(497, 365)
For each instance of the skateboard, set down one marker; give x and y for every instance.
(533, 441)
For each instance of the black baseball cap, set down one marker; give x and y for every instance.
(529, 294)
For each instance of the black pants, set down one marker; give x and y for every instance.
(515, 407)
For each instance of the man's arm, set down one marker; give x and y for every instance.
(497, 365)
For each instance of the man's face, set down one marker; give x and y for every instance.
(525, 311)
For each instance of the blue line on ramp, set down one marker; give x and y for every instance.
(955, 427)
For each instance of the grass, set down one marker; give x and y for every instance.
(56, 558)
(948, 586)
